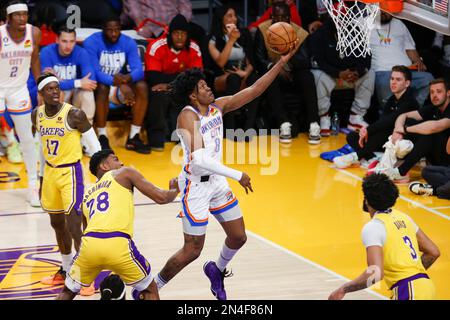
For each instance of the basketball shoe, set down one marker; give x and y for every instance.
(325, 125)
(356, 122)
(330, 155)
(421, 189)
(346, 161)
(58, 278)
(216, 277)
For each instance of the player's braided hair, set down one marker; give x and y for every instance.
(97, 159)
(111, 288)
(380, 192)
(183, 85)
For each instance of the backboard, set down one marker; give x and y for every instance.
(433, 14)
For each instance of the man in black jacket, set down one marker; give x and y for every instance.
(331, 69)
(295, 74)
(373, 137)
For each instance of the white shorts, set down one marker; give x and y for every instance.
(16, 100)
(201, 198)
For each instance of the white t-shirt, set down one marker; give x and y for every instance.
(389, 43)
(374, 232)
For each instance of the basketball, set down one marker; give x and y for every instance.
(280, 37)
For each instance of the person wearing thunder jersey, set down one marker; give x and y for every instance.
(393, 243)
(19, 50)
(203, 177)
(108, 218)
(61, 127)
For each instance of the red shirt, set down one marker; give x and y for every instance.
(295, 17)
(160, 57)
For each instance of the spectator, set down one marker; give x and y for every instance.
(71, 64)
(438, 182)
(267, 15)
(164, 60)
(373, 137)
(231, 49)
(112, 54)
(392, 44)
(428, 128)
(295, 74)
(330, 67)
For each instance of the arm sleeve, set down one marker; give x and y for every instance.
(89, 138)
(91, 47)
(134, 61)
(202, 160)
(374, 233)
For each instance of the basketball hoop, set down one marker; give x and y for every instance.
(354, 22)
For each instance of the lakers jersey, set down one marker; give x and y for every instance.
(108, 206)
(60, 143)
(211, 130)
(15, 58)
(400, 250)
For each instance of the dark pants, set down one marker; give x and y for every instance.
(439, 178)
(374, 143)
(303, 82)
(233, 85)
(161, 118)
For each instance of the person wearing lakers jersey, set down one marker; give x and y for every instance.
(61, 127)
(108, 212)
(19, 50)
(397, 250)
(203, 177)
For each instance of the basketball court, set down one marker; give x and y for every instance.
(304, 224)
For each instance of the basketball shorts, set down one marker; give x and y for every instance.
(62, 189)
(16, 100)
(201, 198)
(418, 287)
(96, 254)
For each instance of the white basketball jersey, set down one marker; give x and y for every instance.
(15, 58)
(211, 129)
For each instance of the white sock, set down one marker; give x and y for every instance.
(225, 257)
(66, 261)
(102, 131)
(160, 282)
(134, 130)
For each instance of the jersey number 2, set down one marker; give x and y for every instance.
(408, 242)
(13, 73)
(102, 203)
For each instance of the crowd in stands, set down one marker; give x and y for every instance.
(393, 95)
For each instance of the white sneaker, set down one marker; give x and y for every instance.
(13, 153)
(356, 122)
(346, 161)
(285, 132)
(325, 125)
(421, 189)
(33, 195)
(314, 133)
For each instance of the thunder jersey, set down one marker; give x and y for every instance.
(108, 206)
(211, 130)
(15, 58)
(400, 250)
(60, 143)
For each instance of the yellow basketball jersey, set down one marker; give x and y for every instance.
(108, 206)
(400, 250)
(60, 144)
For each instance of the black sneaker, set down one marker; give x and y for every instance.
(136, 144)
(104, 142)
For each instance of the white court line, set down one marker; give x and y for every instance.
(295, 255)
(448, 207)
(418, 204)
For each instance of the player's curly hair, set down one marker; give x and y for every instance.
(97, 158)
(112, 288)
(379, 191)
(183, 85)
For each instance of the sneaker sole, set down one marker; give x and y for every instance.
(313, 142)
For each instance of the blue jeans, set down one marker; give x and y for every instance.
(419, 85)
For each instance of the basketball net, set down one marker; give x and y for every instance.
(354, 22)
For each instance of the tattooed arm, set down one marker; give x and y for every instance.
(372, 275)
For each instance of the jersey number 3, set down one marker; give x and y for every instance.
(102, 204)
(408, 242)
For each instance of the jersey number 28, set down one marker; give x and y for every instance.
(102, 201)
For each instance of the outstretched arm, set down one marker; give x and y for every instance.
(243, 97)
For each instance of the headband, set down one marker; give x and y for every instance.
(16, 7)
(46, 81)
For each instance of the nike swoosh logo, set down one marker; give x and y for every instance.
(64, 174)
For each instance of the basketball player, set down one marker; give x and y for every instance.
(61, 127)
(108, 212)
(203, 178)
(392, 242)
(19, 49)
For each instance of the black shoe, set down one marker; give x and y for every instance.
(104, 142)
(136, 144)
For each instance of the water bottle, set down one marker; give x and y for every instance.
(335, 124)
